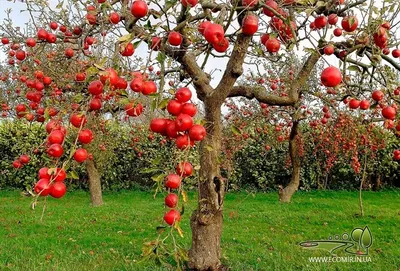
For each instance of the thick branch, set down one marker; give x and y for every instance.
(391, 61)
(201, 81)
(303, 75)
(234, 68)
(260, 93)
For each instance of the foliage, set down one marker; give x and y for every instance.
(15, 139)
(129, 161)
(134, 161)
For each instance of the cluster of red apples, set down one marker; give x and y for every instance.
(183, 130)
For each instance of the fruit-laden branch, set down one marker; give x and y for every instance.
(201, 80)
(261, 94)
(234, 68)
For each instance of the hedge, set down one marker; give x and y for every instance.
(136, 164)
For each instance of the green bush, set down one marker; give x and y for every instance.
(256, 168)
(128, 164)
(124, 165)
(17, 138)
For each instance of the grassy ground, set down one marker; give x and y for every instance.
(259, 232)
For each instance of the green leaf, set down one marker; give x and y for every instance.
(148, 25)
(309, 50)
(309, 11)
(375, 9)
(125, 38)
(169, 3)
(78, 98)
(184, 196)
(235, 130)
(161, 57)
(74, 175)
(352, 21)
(92, 71)
(180, 231)
(354, 68)
(137, 43)
(124, 101)
(153, 105)
(376, 58)
(163, 104)
(60, 5)
(158, 178)
(209, 148)
(160, 229)
(124, 93)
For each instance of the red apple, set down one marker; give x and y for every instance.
(85, 136)
(171, 200)
(42, 187)
(172, 216)
(58, 190)
(183, 95)
(350, 23)
(139, 9)
(175, 38)
(172, 181)
(250, 25)
(331, 77)
(80, 155)
(214, 33)
(197, 132)
(273, 45)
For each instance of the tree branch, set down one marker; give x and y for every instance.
(260, 92)
(234, 68)
(201, 80)
(391, 61)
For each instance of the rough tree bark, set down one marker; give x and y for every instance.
(96, 196)
(285, 195)
(206, 221)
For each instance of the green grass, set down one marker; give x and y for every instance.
(259, 232)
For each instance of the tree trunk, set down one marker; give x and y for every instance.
(361, 185)
(206, 221)
(377, 185)
(285, 195)
(96, 197)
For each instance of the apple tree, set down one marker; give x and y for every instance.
(208, 47)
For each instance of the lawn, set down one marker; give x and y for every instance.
(259, 232)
